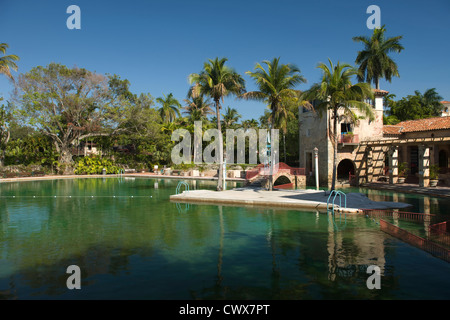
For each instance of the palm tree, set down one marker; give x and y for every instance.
(374, 62)
(197, 108)
(217, 81)
(7, 62)
(250, 124)
(230, 118)
(337, 94)
(276, 87)
(169, 108)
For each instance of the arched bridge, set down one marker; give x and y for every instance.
(286, 174)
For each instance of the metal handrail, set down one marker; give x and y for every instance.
(336, 193)
(180, 184)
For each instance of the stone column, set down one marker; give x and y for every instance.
(424, 166)
(393, 165)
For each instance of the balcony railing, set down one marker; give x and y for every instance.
(346, 138)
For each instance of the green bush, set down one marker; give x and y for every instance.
(95, 165)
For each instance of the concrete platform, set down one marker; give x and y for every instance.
(294, 199)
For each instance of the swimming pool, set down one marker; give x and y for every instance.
(131, 242)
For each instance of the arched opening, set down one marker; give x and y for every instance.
(345, 168)
(282, 180)
(443, 160)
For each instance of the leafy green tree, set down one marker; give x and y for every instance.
(169, 109)
(374, 61)
(276, 87)
(413, 107)
(67, 105)
(337, 94)
(5, 133)
(7, 62)
(217, 81)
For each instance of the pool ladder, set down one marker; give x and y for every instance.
(186, 188)
(331, 215)
(336, 193)
(180, 184)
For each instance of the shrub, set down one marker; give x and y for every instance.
(95, 165)
(434, 172)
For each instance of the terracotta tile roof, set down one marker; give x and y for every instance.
(438, 123)
(380, 92)
(391, 130)
(445, 102)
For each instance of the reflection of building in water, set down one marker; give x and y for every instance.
(347, 258)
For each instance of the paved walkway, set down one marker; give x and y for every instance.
(296, 199)
(410, 188)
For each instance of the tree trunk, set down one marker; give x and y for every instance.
(333, 182)
(65, 160)
(219, 127)
(284, 145)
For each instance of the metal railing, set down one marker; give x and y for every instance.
(336, 193)
(180, 184)
(440, 233)
(412, 239)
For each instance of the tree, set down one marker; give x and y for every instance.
(250, 124)
(337, 94)
(230, 118)
(67, 105)
(169, 108)
(197, 108)
(5, 133)
(374, 62)
(217, 81)
(7, 62)
(276, 87)
(417, 106)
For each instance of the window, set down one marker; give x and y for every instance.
(346, 127)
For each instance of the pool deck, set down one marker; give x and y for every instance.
(293, 199)
(440, 191)
(138, 175)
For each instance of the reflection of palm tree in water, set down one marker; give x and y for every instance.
(219, 262)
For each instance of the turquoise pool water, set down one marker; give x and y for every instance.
(131, 242)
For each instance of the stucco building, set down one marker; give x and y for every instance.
(369, 151)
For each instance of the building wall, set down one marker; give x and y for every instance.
(313, 132)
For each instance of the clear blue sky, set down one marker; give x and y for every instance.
(157, 44)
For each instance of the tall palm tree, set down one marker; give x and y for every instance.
(169, 108)
(7, 62)
(197, 108)
(217, 81)
(337, 94)
(230, 118)
(276, 87)
(374, 62)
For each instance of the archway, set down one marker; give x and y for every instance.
(282, 180)
(345, 168)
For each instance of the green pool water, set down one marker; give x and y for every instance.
(131, 242)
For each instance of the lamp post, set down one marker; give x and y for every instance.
(316, 166)
(224, 183)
